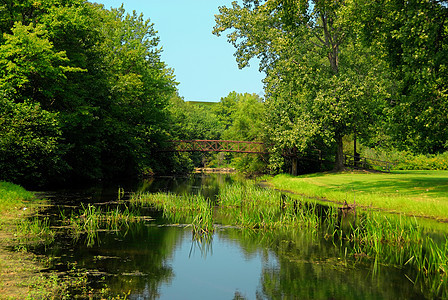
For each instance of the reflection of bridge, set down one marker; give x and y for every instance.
(218, 146)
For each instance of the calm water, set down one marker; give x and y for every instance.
(159, 260)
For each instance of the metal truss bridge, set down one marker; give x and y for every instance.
(217, 146)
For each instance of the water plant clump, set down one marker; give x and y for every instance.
(90, 219)
(401, 241)
(193, 209)
(33, 231)
(256, 207)
(394, 240)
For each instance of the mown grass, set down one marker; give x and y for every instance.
(417, 193)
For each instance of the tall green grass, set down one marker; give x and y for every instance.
(18, 214)
(91, 218)
(399, 241)
(193, 209)
(13, 196)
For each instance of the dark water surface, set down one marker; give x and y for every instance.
(158, 260)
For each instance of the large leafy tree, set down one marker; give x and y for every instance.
(97, 74)
(140, 86)
(321, 84)
(29, 143)
(413, 37)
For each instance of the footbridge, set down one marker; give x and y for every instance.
(217, 146)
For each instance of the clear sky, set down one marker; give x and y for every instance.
(203, 63)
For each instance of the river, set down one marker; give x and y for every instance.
(157, 259)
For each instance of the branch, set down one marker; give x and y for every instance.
(318, 37)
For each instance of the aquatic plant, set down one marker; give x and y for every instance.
(193, 209)
(257, 207)
(32, 231)
(91, 218)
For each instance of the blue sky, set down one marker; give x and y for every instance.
(204, 64)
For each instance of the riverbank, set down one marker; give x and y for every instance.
(414, 193)
(22, 273)
(18, 269)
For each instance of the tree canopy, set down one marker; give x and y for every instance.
(329, 70)
(95, 78)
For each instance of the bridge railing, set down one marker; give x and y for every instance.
(367, 163)
(218, 146)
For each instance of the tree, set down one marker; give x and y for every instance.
(30, 67)
(30, 148)
(413, 37)
(246, 118)
(140, 85)
(98, 74)
(317, 89)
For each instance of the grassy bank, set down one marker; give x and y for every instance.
(18, 269)
(418, 193)
(20, 228)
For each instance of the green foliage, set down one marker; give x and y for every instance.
(413, 38)
(193, 122)
(29, 142)
(29, 65)
(244, 118)
(321, 82)
(99, 89)
(12, 197)
(408, 161)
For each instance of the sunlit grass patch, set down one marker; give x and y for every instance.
(13, 197)
(420, 193)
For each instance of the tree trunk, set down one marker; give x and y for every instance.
(294, 170)
(339, 162)
(294, 162)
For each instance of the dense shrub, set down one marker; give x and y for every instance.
(405, 160)
(423, 162)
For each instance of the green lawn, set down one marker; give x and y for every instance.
(420, 193)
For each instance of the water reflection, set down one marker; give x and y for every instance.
(159, 260)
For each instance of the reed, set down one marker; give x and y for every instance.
(90, 219)
(257, 207)
(395, 240)
(193, 209)
(33, 231)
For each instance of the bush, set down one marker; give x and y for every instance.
(405, 160)
(423, 162)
